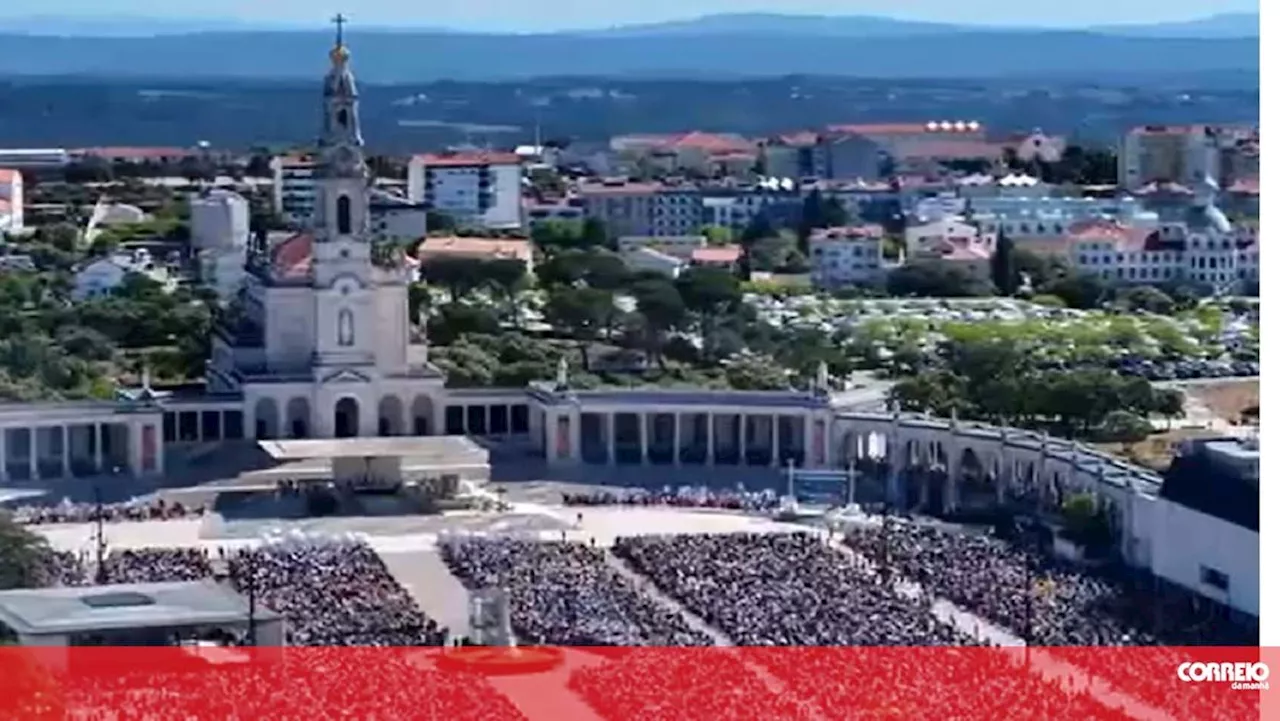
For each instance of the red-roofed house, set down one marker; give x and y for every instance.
(721, 256)
(478, 189)
(693, 151)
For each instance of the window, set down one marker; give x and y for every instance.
(1214, 578)
(342, 118)
(344, 215)
(346, 328)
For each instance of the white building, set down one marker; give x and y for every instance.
(223, 270)
(293, 188)
(1167, 153)
(100, 277)
(322, 344)
(846, 256)
(11, 201)
(477, 189)
(34, 158)
(1204, 526)
(1203, 247)
(219, 221)
(954, 230)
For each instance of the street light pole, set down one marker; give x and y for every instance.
(100, 537)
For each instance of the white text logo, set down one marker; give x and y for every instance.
(1245, 676)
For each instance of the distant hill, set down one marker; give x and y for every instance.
(1226, 25)
(413, 56)
(1229, 25)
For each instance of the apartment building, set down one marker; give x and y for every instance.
(846, 256)
(477, 189)
(1170, 153)
(293, 188)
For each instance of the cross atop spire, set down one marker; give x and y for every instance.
(339, 20)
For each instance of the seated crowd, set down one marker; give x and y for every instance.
(567, 594)
(156, 565)
(783, 590)
(1068, 607)
(681, 498)
(334, 592)
(67, 512)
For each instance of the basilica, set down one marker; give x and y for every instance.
(320, 343)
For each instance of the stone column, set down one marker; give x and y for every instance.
(675, 438)
(610, 441)
(575, 434)
(711, 438)
(33, 454)
(644, 438)
(1002, 475)
(97, 447)
(66, 451)
(4, 454)
(743, 418)
(773, 458)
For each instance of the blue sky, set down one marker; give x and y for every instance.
(529, 15)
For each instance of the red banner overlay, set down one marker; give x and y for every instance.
(561, 684)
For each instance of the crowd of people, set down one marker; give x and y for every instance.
(156, 565)
(68, 512)
(733, 500)
(333, 592)
(1059, 606)
(305, 684)
(1067, 606)
(783, 590)
(567, 593)
(54, 568)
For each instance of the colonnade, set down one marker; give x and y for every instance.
(35, 451)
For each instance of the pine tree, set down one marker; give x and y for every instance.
(1004, 274)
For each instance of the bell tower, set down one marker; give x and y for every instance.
(342, 271)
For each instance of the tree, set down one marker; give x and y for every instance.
(454, 320)
(440, 222)
(1004, 271)
(506, 277)
(1146, 298)
(757, 229)
(662, 310)
(1168, 403)
(594, 234)
(597, 267)
(458, 275)
(580, 313)
(550, 235)
(935, 278)
(24, 556)
(1084, 291)
(710, 293)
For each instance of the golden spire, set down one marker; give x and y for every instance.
(339, 54)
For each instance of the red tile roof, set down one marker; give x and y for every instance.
(1121, 236)
(291, 258)
(488, 248)
(467, 159)
(717, 254)
(1245, 186)
(699, 140)
(951, 250)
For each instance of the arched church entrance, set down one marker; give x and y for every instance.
(346, 418)
(424, 413)
(299, 414)
(266, 419)
(390, 416)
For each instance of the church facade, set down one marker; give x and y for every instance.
(319, 342)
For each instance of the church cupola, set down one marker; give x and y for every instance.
(341, 104)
